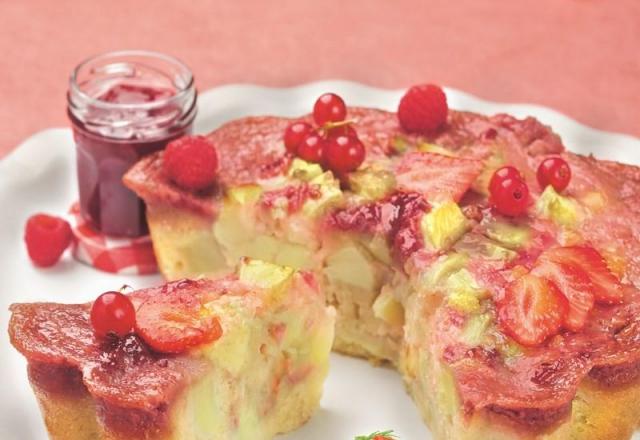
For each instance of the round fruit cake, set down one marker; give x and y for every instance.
(496, 270)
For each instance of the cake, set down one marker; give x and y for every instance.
(514, 320)
(259, 375)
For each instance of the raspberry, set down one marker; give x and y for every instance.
(46, 237)
(191, 162)
(423, 109)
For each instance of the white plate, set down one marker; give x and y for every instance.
(40, 176)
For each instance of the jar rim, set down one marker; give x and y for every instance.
(181, 90)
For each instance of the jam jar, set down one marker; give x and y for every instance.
(122, 106)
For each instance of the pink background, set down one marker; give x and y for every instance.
(581, 57)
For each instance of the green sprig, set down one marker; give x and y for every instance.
(386, 434)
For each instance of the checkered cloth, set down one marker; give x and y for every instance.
(126, 256)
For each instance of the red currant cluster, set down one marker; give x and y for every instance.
(334, 144)
(509, 193)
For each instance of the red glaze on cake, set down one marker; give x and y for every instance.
(594, 337)
(123, 372)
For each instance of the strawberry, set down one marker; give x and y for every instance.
(532, 310)
(175, 321)
(574, 283)
(439, 178)
(606, 287)
(423, 109)
(191, 162)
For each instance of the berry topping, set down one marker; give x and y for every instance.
(191, 162)
(532, 310)
(437, 177)
(581, 275)
(423, 109)
(554, 171)
(396, 217)
(510, 197)
(177, 320)
(112, 313)
(335, 143)
(605, 285)
(311, 147)
(46, 237)
(506, 172)
(343, 154)
(574, 283)
(294, 134)
(329, 108)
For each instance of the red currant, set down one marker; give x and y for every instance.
(112, 313)
(554, 171)
(343, 154)
(506, 172)
(310, 149)
(294, 134)
(329, 108)
(510, 197)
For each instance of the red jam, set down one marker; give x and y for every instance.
(396, 217)
(134, 94)
(122, 107)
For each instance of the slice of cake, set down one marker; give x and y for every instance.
(496, 270)
(239, 357)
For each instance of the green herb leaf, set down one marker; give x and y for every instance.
(383, 434)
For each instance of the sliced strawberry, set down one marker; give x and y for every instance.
(439, 178)
(532, 310)
(606, 286)
(574, 284)
(176, 321)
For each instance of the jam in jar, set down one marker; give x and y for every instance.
(123, 106)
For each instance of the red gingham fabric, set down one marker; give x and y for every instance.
(127, 256)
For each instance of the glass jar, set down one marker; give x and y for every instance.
(122, 106)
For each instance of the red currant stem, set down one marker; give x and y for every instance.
(125, 288)
(328, 126)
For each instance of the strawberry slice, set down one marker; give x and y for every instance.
(606, 287)
(574, 284)
(532, 310)
(437, 177)
(176, 321)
